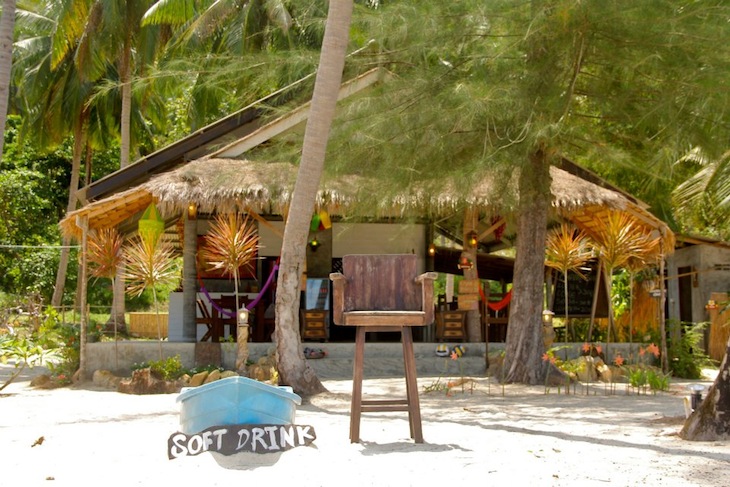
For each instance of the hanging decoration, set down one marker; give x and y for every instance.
(320, 221)
(151, 226)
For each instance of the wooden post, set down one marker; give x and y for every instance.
(82, 221)
(473, 323)
(662, 318)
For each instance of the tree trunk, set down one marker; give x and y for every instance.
(524, 345)
(711, 420)
(117, 320)
(79, 144)
(293, 368)
(7, 29)
(117, 317)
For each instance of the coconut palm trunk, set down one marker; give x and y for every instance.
(80, 133)
(7, 28)
(293, 368)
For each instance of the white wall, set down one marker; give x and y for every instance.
(378, 238)
(358, 238)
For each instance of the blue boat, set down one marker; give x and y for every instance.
(236, 400)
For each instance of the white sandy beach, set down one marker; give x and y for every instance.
(100, 437)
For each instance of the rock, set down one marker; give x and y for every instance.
(605, 374)
(556, 378)
(105, 379)
(228, 373)
(261, 373)
(586, 371)
(142, 382)
(198, 379)
(42, 381)
(213, 376)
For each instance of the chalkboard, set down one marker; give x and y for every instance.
(580, 296)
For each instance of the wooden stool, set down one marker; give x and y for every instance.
(411, 403)
(383, 293)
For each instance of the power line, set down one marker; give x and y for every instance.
(53, 247)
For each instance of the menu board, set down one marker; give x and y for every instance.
(580, 296)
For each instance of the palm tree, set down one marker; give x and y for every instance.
(619, 242)
(7, 30)
(567, 249)
(104, 256)
(55, 98)
(94, 54)
(232, 244)
(149, 263)
(293, 368)
(706, 194)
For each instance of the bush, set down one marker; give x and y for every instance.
(686, 357)
(170, 368)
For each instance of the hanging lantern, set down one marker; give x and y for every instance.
(472, 238)
(151, 225)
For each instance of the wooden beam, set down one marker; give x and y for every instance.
(290, 120)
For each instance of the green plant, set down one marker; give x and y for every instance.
(637, 377)
(24, 352)
(657, 380)
(686, 357)
(170, 368)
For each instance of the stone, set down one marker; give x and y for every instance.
(198, 379)
(261, 373)
(213, 376)
(105, 379)
(142, 382)
(42, 381)
(228, 373)
(586, 372)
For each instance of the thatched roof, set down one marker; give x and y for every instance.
(225, 185)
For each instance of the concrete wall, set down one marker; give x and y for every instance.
(712, 267)
(381, 359)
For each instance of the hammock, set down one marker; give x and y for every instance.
(251, 305)
(497, 305)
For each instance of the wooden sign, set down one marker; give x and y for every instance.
(469, 286)
(255, 438)
(468, 301)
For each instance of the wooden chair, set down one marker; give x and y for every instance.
(383, 293)
(204, 319)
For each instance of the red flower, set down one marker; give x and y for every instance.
(618, 360)
(653, 349)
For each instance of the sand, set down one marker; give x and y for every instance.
(514, 435)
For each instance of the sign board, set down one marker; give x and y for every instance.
(580, 296)
(469, 286)
(230, 439)
(468, 301)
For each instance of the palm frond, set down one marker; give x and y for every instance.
(567, 249)
(620, 241)
(232, 243)
(174, 12)
(148, 266)
(104, 252)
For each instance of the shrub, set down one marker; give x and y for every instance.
(170, 368)
(686, 357)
